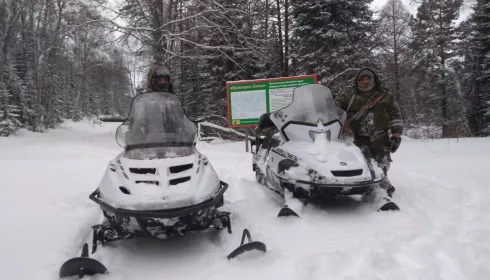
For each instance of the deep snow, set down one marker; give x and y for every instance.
(442, 232)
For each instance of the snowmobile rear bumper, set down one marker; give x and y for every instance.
(125, 224)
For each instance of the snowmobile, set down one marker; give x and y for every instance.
(307, 159)
(159, 186)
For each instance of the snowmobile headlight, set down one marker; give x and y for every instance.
(315, 176)
(320, 134)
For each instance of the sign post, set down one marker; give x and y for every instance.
(248, 100)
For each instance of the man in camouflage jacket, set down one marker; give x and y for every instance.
(371, 114)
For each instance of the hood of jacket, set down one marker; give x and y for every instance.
(377, 82)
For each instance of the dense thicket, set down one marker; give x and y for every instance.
(62, 58)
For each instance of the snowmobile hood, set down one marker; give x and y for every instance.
(334, 163)
(158, 184)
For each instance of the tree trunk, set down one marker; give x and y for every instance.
(279, 25)
(286, 38)
(158, 40)
(446, 131)
(266, 27)
(395, 53)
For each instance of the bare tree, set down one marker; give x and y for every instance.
(394, 29)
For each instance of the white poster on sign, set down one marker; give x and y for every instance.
(248, 104)
(280, 98)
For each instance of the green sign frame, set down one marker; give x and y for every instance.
(248, 100)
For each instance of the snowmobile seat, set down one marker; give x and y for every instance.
(265, 138)
(265, 122)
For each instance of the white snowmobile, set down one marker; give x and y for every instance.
(307, 159)
(159, 186)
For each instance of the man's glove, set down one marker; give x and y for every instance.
(395, 143)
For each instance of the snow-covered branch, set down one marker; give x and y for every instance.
(225, 129)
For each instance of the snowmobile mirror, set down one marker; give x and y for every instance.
(251, 245)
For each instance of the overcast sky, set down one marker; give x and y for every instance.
(411, 5)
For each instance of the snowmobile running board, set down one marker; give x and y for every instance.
(251, 245)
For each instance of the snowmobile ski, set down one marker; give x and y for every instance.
(287, 212)
(251, 245)
(389, 206)
(82, 266)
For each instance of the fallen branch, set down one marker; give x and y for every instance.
(210, 138)
(231, 130)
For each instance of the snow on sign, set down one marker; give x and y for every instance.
(248, 100)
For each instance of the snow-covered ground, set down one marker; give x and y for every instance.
(442, 232)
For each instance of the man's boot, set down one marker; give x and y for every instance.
(390, 190)
(386, 185)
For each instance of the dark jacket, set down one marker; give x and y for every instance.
(375, 122)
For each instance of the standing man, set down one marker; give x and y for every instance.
(371, 114)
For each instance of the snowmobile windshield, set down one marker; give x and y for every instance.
(157, 127)
(312, 114)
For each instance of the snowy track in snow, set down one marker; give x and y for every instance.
(442, 232)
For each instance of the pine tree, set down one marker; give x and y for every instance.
(478, 57)
(393, 55)
(8, 113)
(394, 35)
(232, 54)
(331, 35)
(434, 47)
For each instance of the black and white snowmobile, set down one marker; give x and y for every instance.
(307, 159)
(159, 186)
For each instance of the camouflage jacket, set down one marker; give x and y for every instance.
(375, 122)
